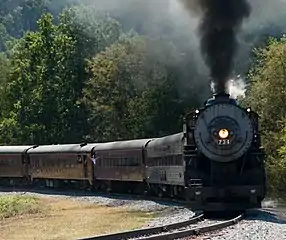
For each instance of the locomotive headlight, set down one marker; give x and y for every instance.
(223, 133)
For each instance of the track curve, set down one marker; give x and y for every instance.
(171, 231)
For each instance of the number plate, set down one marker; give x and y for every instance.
(223, 142)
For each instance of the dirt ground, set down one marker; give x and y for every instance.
(67, 219)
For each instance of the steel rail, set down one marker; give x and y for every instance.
(147, 231)
(194, 231)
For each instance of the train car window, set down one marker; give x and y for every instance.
(120, 163)
(79, 159)
(112, 161)
(136, 161)
(131, 161)
(127, 163)
(124, 161)
(115, 161)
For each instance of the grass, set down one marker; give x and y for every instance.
(50, 218)
(11, 206)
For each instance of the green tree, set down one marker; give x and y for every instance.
(267, 96)
(47, 76)
(133, 91)
(267, 92)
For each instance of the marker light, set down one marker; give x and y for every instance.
(197, 111)
(223, 133)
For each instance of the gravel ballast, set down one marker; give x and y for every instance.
(263, 226)
(259, 226)
(168, 212)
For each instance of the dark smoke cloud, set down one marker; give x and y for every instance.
(220, 21)
(167, 19)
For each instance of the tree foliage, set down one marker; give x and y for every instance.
(132, 92)
(46, 80)
(267, 95)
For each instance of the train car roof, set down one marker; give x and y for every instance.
(56, 148)
(120, 145)
(14, 149)
(88, 147)
(166, 140)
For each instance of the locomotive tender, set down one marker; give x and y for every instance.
(216, 163)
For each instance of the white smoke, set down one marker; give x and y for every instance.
(236, 87)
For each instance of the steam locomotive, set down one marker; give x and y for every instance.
(223, 155)
(216, 163)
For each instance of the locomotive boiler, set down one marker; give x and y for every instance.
(223, 156)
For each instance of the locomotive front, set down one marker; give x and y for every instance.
(223, 131)
(223, 157)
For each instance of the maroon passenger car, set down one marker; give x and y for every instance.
(120, 165)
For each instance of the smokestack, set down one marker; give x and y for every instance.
(220, 21)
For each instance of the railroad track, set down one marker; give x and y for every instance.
(194, 226)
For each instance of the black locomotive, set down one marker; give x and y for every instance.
(216, 163)
(223, 155)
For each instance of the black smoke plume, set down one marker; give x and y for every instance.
(220, 21)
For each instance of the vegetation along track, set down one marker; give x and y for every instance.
(194, 226)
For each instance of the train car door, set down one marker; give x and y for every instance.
(93, 165)
(85, 167)
(25, 164)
